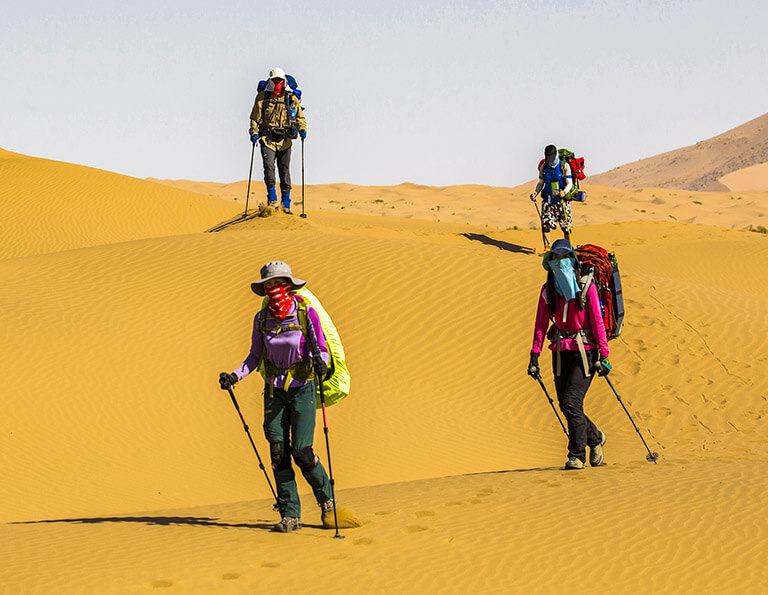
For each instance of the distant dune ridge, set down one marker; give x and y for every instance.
(125, 468)
(697, 167)
(49, 206)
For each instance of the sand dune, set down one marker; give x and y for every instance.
(699, 166)
(50, 206)
(510, 208)
(682, 526)
(126, 468)
(749, 178)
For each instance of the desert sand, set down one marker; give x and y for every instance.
(125, 467)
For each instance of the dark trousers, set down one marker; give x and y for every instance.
(283, 158)
(289, 426)
(571, 387)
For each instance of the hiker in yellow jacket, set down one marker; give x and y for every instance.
(277, 119)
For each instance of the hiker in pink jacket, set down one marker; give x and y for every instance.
(579, 348)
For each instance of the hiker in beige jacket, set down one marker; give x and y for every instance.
(277, 119)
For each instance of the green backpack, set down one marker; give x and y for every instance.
(336, 381)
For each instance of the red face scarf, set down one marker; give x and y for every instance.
(280, 300)
(279, 87)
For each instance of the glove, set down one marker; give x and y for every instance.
(320, 366)
(533, 196)
(227, 380)
(603, 366)
(303, 134)
(254, 137)
(533, 367)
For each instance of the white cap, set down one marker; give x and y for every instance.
(277, 73)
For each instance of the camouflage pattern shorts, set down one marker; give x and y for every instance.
(552, 215)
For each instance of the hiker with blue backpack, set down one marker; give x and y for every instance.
(557, 188)
(276, 120)
(579, 345)
(288, 346)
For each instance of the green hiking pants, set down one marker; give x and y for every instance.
(289, 425)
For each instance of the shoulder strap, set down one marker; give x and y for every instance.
(302, 315)
(585, 283)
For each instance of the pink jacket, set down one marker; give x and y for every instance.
(590, 319)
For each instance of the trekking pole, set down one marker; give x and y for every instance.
(552, 403)
(245, 427)
(248, 191)
(652, 456)
(316, 351)
(535, 204)
(303, 214)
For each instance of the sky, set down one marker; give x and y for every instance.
(433, 92)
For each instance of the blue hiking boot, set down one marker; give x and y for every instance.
(285, 197)
(271, 196)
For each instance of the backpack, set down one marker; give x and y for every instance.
(336, 381)
(601, 267)
(279, 134)
(577, 173)
(292, 84)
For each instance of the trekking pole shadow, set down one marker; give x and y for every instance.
(552, 404)
(250, 174)
(652, 456)
(247, 431)
(509, 247)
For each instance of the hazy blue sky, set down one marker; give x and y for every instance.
(431, 92)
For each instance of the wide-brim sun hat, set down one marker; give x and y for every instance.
(560, 247)
(277, 73)
(276, 270)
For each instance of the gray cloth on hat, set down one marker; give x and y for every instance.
(276, 270)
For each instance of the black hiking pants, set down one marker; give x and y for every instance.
(571, 387)
(283, 158)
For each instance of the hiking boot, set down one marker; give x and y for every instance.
(272, 203)
(326, 506)
(574, 463)
(287, 211)
(288, 524)
(596, 452)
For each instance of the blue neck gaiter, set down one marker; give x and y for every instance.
(565, 277)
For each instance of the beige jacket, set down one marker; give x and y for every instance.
(275, 115)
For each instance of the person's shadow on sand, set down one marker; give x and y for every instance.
(478, 237)
(159, 520)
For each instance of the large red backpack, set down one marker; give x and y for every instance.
(577, 172)
(603, 267)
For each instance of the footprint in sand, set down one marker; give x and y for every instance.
(161, 584)
(337, 557)
(270, 564)
(422, 513)
(383, 512)
(454, 503)
(414, 529)
(661, 412)
(363, 541)
(485, 492)
(229, 576)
